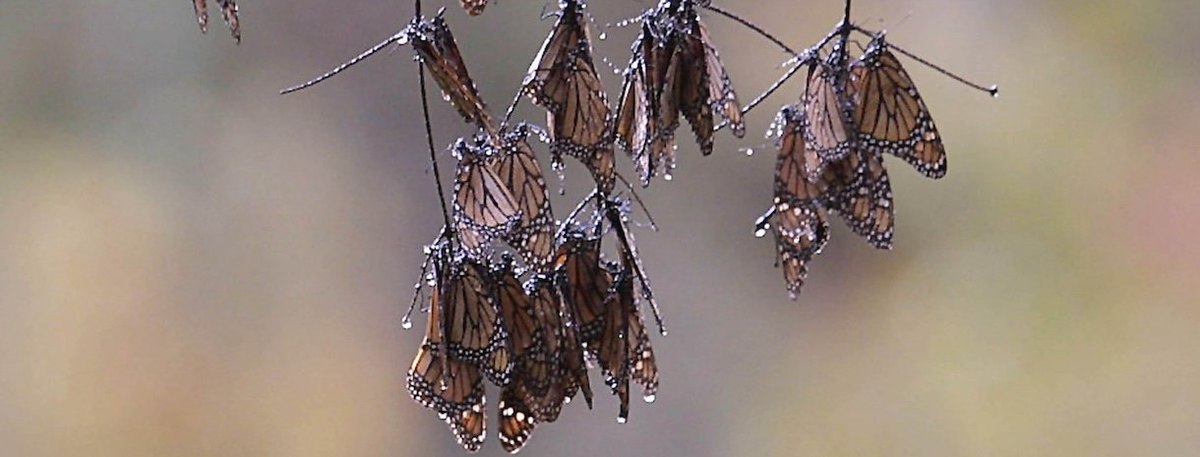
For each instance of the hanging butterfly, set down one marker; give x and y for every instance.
(229, 11)
(584, 284)
(529, 347)
(648, 114)
(704, 88)
(449, 386)
(800, 228)
(563, 79)
(518, 169)
(675, 70)
(614, 210)
(830, 133)
(436, 47)
(862, 196)
(484, 207)
(570, 370)
(890, 115)
(472, 325)
(624, 351)
(474, 7)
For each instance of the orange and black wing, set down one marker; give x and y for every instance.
(517, 420)
(705, 92)
(649, 111)
(435, 45)
(473, 329)
(229, 11)
(584, 284)
(484, 207)
(451, 387)
(890, 115)
(830, 134)
(518, 168)
(563, 79)
(549, 391)
(863, 197)
(721, 97)
(800, 228)
(473, 7)
(528, 347)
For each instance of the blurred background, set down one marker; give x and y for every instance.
(193, 265)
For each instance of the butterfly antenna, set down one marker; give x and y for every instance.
(638, 199)
(361, 57)
(992, 90)
(752, 26)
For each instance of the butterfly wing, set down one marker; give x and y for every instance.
(890, 115)
(518, 168)
(473, 7)
(484, 207)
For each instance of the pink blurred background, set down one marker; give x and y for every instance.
(193, 265)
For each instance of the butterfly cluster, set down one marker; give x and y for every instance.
(852, 112)
(514, 296)
(528, 302)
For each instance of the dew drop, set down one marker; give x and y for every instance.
(995, 90)
(748, 151)
(406, 324)
(761, 231)
(649, 398)
(668, 176)
(603, 36)
(622, 419)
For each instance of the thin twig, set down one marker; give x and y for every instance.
(993, 90)
(361, 57)
(751, 26)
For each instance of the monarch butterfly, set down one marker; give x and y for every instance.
(451, 387)
(570, 373)
(800, 228)
(435, 45)
(484, 207)
(563, 79)
(863, 197)
(473, 329)
(631, 263)
(648, 114)
(890, 115)
(518, 168)
(517, 420)
(624, 349)
(229, 11)
(529, 347)
(830, 133)
(675, 70)
(584, 284)
(474, 7)
(705, 89)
